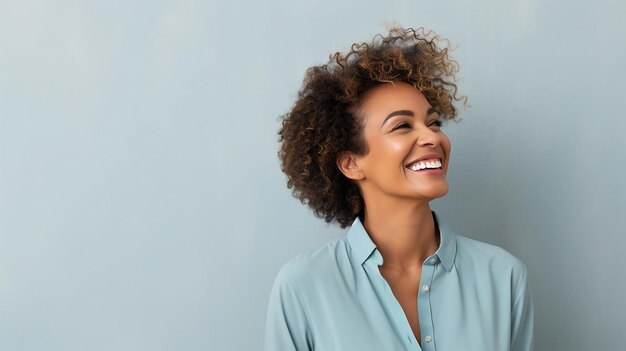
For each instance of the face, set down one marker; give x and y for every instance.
(408, 153)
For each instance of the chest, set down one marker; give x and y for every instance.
(378, 310)
(405, 288)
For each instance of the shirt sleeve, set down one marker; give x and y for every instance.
(522, 323)
(286, 326)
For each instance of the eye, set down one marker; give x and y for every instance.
(436, 123)
(401, 126)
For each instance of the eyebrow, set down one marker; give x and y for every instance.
(429, 112)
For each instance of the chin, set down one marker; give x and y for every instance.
(435, 193)
(440, 195)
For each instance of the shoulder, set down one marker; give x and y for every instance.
(494, 258)
(307, 270)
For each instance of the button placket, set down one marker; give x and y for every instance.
(424, 305)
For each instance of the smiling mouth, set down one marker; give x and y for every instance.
(425, 164)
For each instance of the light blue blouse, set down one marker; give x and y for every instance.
(473, 297)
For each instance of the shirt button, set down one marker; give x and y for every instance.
(433, 260)
(428, 338)
(426, 288)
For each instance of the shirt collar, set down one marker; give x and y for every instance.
(362, 246)
(360, 242)
(447, 248)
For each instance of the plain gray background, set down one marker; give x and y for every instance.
(141, 202)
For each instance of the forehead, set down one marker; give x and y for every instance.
(390, 97)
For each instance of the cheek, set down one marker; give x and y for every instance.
(398, 146)
(447, 147)
(445, 143)
(387, 148)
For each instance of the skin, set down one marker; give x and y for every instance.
(397, 211)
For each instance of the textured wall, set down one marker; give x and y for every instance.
(141, 202)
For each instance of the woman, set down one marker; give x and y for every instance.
(363, 147)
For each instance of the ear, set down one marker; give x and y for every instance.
(347, 164)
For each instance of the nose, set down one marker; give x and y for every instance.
(428, 137)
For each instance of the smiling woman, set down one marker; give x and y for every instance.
(363, 147)
(404, 146)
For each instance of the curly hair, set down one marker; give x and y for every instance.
(323, 123)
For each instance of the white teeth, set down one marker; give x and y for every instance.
(417, 166)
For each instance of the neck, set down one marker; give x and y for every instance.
(404, 235)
